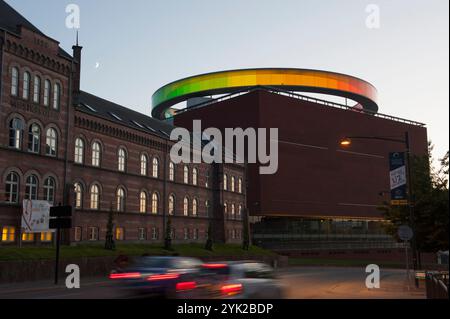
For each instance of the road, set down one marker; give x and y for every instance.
(300, 283)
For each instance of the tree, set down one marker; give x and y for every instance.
(431, 205)
(168, 235)
(109, 243)
(209, 240)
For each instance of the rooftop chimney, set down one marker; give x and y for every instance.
(77, 72)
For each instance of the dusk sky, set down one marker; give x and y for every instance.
(140, 45)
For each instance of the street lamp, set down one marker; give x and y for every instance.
(347, 141)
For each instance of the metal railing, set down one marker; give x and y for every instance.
(436, 285)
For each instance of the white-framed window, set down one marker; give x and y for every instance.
(225, 182)
(143, 202)
(120, 199)
(47, 88)
(77, 235)
(79, 151)
(37, 89)
(95, 197)
(26, 86)
(233, 211)
(96, 154)
(171, 204)
(155, 167)
(240, 185)
(171, 171)
(186, 206)
(121, 160)
(14, 81)
(144, 164)
(142, 233)
(49, 189)
(31, 187)
(93, 233)
(51, 142)
(155, 203)
(225, 209)
(34, 138)
(78, 189)
(56, 96)
(232, 183)
(12, 188)
(8, 234)
(194, 207)
(194, 176)
(185, 233)
(154, 233)
(239, 212)
(15, 133)
(186, 174)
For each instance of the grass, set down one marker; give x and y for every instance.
(69, 252)
(343, 262)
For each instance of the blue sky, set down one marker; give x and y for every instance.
(141, 45)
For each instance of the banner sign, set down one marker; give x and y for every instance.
(397, 178)
(35, 216)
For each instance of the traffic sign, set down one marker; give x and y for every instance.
(405, 232)
(61, 211)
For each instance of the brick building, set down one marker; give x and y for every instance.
(63, 145)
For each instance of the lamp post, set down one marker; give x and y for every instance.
(347, 141)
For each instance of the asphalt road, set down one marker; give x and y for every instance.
(299, 282)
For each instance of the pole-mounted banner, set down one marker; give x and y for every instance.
(397, 176)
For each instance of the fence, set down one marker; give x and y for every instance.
(437, 285)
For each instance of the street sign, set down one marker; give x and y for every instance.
(61, 211)
(405, 232)
(397, 177)
(62, 223)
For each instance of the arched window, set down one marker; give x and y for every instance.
(31, 187)
(95, 197)
(144, 164)
(26, 86)
(12, 188)
(225, 209)
(194, 176)
(120, 200)
(155, 203)
(232, 183)
(78, 195)
(79, 151)
(171, 171)
(233, 211)
(34, 138)
(194, 207)
(143, 202)
(121, 161)
(56, 96)
(47, 87)
(14, 81)
(239, 213)
(171, 204)
(186, 174)
(51, 143)
(240, 185)
(207, 208)
(186, 206)
(49, 189)
(96, 154)
(225, 182)
(155, 167)
(37, 89)
(15, 133)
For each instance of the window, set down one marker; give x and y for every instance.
(31, 187)
(225, 182)
(46, 236)
(12, 188)
(14, 81)
(194, 176)
(26, 86)
(194, 207)
(27, 237)
(121, 160)
(120, 233)
(186, 233)
(171, 171)
(154, 233)
(15, 133)
(51, 142)
(171, 204)
(95, 194)
(207, 208)
(225, 209)
(79, 150)
(232, 183)
(155, 170)
(195, 234)
(173, 233)
(120, 199)
(233, 211)
(142, 234)
(143, 164)
(49, 189)
(207, 179)
(143, 202)
(56, 96)
(96, 154)
(78, 195)
(8, 234)
(239, 212)
(47, 87)
(186, 174)
(37, 89)
(77, 234)
(233, 234)
(186, 206)
(34, 137)
(93, 233)
(240, 185)
(155, 202)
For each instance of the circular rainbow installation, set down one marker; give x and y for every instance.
(300, 80)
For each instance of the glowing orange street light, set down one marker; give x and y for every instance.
(345, 142)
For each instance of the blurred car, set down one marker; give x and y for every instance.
(168, 277)
(238, 280)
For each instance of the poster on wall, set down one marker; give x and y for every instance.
(35, 216)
